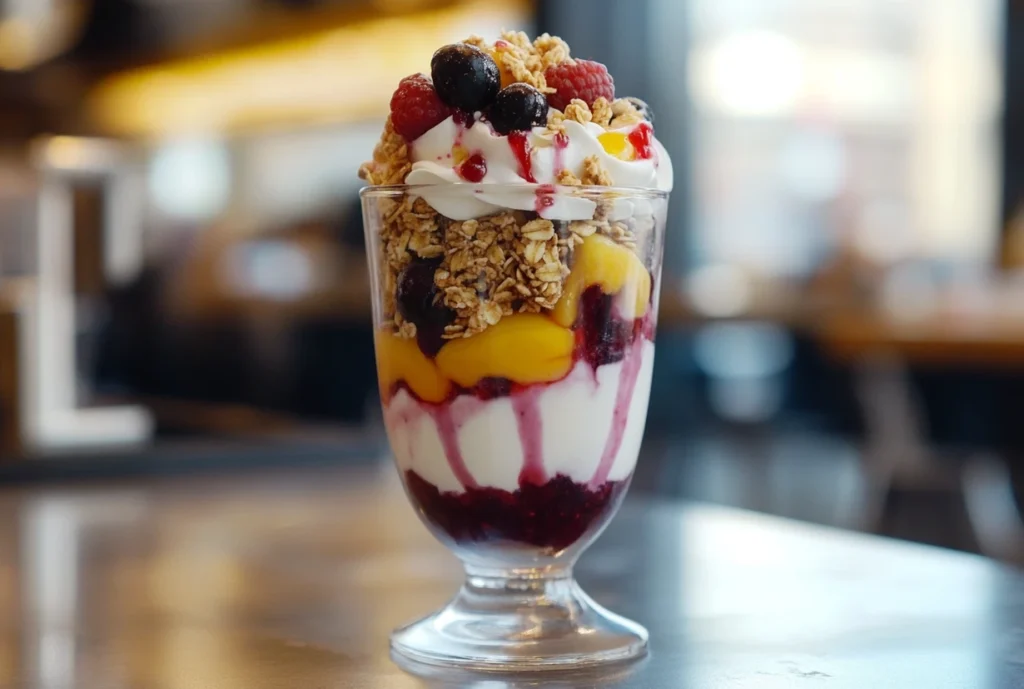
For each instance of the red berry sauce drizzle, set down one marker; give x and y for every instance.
(520, 146)
(641, 138)
(544, 198)
(545, 511)
(473, 169)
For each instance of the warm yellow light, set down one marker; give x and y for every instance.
(17, 44)
(337, 74)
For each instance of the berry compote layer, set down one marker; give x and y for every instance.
(527, 432)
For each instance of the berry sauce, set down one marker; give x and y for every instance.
(552, 515)
(463, 120)
(520, 146)
(473, 169)
(640, 138)
(530, 424)
(543, 198)
(561, 142)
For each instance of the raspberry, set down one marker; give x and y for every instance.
(416, 107)
(584, 79)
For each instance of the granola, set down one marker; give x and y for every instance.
(488, 268)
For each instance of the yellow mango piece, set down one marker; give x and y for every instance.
(525, 348)
(400, 359)
(600, 261)
(617, 144)
(459, 154)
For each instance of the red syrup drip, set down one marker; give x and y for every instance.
(641, 138)
(561, 142)
(463, 120)
(448, 424)
(628, 375)
(531, 435)
(520, 146)
(543, 198)
(473, 169)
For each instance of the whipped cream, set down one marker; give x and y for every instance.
(491, 446)
(435, 162)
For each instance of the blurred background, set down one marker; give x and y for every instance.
(183, 285)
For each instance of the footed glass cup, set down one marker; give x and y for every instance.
(514, 330)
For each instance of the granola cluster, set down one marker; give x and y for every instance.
(525, 61)
(614, 115)
(488, 268)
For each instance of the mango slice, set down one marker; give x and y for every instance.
(600, 261)
(525, 348)
(617, 144)
(400, 359)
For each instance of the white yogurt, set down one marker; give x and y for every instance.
(576, 419)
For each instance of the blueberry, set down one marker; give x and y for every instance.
(416, 291)
(644, 108)
(518, 107)
(415, 297)
(465, 77)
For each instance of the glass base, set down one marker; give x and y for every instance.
(520, 620)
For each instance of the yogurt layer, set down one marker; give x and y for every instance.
(591, 424)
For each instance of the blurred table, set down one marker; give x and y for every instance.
(986, 339)
(295, 579)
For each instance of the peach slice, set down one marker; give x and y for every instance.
(525, 348)
(401, 359)
(616, 269)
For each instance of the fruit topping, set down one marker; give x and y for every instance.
(617, 144)
(466, 77)
(416, 107)
(643, 108)
(583, 79)
(616, 269)
(519, 107)
(473, 168)
(400, 360)
(526, 348)
(640, 138)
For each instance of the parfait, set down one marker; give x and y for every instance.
(514, 220)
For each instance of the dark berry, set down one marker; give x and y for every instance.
(416, 299)
(416, 291)
(430, 333)
(605, 337)
(465, 77)
(492, 387)
(518, 107)
(643, 107)
(416, 108)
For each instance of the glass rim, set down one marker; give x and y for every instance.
(383, 190)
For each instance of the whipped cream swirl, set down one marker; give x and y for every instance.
(533, 160)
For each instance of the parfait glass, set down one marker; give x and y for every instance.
(514, 332)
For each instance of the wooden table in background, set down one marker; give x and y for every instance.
(293, 580)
